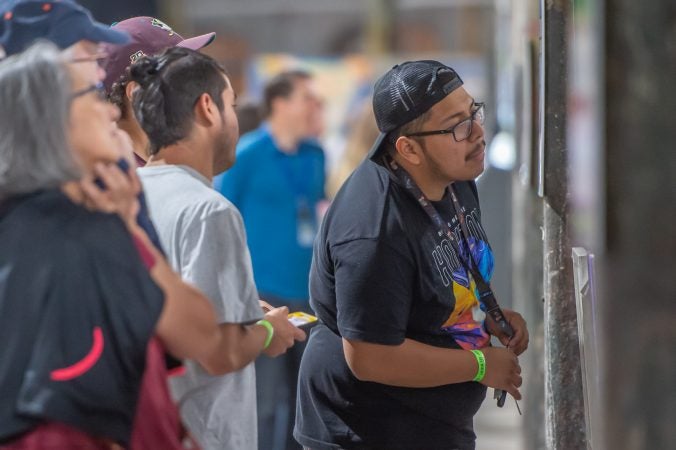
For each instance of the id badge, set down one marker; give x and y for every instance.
(305, 225)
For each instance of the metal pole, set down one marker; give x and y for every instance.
(564, 405)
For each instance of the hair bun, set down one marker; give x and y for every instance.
(144, 70)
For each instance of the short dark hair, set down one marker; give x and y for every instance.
(169, 86)
(413, 126)
(118, 92)
(281, 85)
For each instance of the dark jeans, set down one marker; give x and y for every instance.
(276, 387)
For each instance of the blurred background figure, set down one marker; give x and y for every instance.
(277, 184)
(249, 116)
(360, 137)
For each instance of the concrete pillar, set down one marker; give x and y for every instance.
(564, 406)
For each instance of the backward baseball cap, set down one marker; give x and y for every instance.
(406, 92)
(149, 36)
(409, 90)
(62, 22)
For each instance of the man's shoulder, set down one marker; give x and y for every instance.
(368, 184)
(205, 204)
(192, 199)
(212, 203)
(185, 187)
(359, 210)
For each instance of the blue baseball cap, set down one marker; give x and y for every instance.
(63, 22)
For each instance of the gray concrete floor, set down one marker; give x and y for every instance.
(498, 428)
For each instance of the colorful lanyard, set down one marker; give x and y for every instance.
(485, 292)
(486, 295)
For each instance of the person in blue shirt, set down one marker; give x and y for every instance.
(277, 184)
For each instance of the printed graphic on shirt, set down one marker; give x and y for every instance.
(466, 322)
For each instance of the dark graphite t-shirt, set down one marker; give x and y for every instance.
(381, 273)
(77, 309)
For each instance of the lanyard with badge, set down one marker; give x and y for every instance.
(486, 295)
(306, 226)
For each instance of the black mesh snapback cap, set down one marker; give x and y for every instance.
(409, 89)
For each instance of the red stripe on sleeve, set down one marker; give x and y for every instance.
(86, 363)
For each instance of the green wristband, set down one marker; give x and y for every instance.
(481, 361)
(271, 332)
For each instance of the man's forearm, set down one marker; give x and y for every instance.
(239, 346)
(410, 364)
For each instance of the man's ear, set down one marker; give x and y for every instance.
(129, 90)
(206, 111)
(128, 109)
(409, 150)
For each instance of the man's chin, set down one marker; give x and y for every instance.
(224, 165)
(473, 174)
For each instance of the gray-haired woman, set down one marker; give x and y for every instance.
(78, 304)
(77, 307)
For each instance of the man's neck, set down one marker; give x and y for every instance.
(433, 188)
(137, 135)
(185, 153)
(285, 139)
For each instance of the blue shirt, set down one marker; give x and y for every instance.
(276, 192)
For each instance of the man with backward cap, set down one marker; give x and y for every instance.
(401, 358)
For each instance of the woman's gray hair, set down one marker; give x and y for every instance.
(34, 112)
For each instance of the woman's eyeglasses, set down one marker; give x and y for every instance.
(97, 57)
(97, 88)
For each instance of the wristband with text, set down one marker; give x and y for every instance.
(481, 361)
(271, 332)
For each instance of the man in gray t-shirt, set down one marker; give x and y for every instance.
(185, 106)
(203, 236)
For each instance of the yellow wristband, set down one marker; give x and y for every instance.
(271, 332)
(481, 361)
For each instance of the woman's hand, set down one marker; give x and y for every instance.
(120, 194)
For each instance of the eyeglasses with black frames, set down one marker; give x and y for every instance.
(461, 130)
